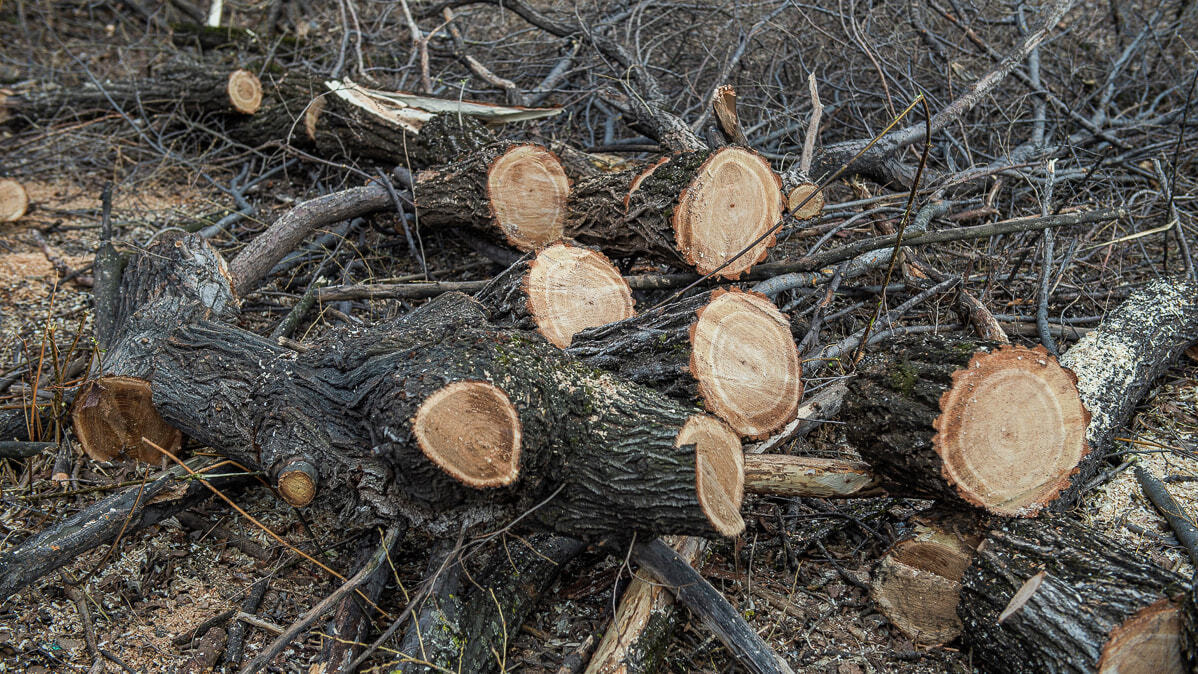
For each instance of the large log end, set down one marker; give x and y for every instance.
(527, 189)
(1148, 642)
(734, 199)
(745, 361)
(570, 289)
(917, 584)
(1012, 430)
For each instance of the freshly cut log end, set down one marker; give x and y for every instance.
(814, 205)
(917, 585)
(640, 178)
(14, 201)
(571, 289)
(527, 189)
(1148, 643)
(719, 471)
(746, 363)
(1012, 430)
(734, 199)
(471, 430)
(245, 92)
(297, 482)
(111, 415)
(809, 476)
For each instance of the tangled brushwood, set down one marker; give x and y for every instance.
(484, 335)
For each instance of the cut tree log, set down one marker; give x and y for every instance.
(14, 200)
(179, 84)
(695, 208)
(805, 200)
(516, 191)
(1050, 595)
(378, 414)
(731, 349)
(1010, 423)
(917, 583)
(562, 291)
(113, 413)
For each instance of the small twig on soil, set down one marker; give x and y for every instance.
(1181, 522)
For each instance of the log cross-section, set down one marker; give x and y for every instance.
(245, 92)
(1012, 430)
(472, 431)
(14, 201)
(518, 189)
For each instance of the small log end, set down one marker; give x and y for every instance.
(245, 92)
(14, 200)
(297, 482)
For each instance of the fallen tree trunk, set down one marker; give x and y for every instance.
(696, 208)
(192, 87)
(374, 417)
(1119, 361)
(732, 350)
(1050, 595)
(953, 419)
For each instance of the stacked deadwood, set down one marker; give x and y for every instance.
(999, 436)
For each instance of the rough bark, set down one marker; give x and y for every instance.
(1118, 362)
(474, 635)
(1010, 424)
(605, 450)
(1050, 595)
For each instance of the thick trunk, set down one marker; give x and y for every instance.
(1010, 422)
(698, 209)
(381, 411)
(732, 350)
(1048, 595)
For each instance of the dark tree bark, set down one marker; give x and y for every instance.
(1050, 595)
(473, 636)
